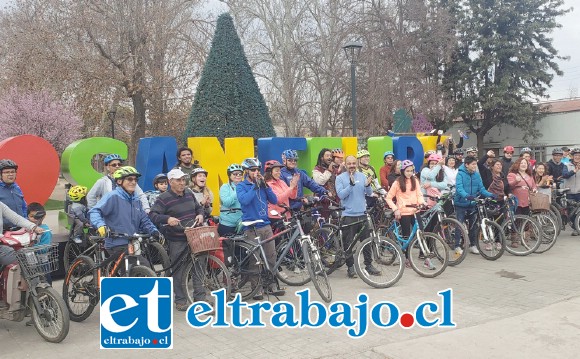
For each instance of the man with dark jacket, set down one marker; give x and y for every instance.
(10, 193)
(506, 160)
(172, 208)
(556, 168)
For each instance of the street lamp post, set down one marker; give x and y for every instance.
(352, 50)
(112, 113)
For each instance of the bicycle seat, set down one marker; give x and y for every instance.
(334, 208)
(251, 223)
(562, 190)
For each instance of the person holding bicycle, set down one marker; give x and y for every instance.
(121, 211)
(254, 195)
(230, 211)
(469, 185)
(176, 206)
(352, 187)
(290, 160)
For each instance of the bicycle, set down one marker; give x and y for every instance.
(489, 232)
(249, 273)
(523, 231)
(81, 287)
(426, 247)
(381, 250)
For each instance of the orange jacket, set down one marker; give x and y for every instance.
(405, 198)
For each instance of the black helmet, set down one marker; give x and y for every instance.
(159, 177)
(5, 163)
(458, 151)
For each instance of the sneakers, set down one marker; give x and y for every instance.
(407, 263)
(427, 264)
(575, 233)
(275, 291)
(488, 247)
(498, 246)
(77, 240)
(182, 307)
(473, 249)
(372, 270)
(458, 251)
(350, 272)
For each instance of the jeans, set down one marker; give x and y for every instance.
(467, 213)
(348, 234)
(7, 255)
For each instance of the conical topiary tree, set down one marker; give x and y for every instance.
(228, 102)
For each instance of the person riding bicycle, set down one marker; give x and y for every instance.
(78, 211)
(201, 191)
(468, 186)
(160, 185)
(352, 187)
(254, 195)
(121, 212)
(231, 210)
(10, 193)
(290, 160)
(108, 183)
(172, 208)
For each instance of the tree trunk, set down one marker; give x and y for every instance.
(480, 135)
(138, 124)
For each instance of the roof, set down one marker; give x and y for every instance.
(559, 106)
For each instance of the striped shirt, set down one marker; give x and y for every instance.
(169, 204)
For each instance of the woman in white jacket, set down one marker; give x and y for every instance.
(433, 177)
(450, 172)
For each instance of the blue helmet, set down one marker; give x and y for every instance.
(290, 155)
(388, 153)
(112, 157)
(251, 163)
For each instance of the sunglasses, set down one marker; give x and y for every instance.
(131, 179)
(39, 215)
(292, 160)
(253, 169)
(115, 165)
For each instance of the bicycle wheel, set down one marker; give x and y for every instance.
(80, 289)
(317, 271)
(385, 255)
(434, 261)
(141, 271)
(548, 230)
(327, 242)
(555, 213)
(449, 229)
(523, 235)
(71, 252)
(159, 259)
(208, 273)
(245, 279)
(493, 235)
(292, 269)
(53, 322)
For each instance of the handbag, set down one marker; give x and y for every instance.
(538, 201)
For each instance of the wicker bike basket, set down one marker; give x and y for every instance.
(202, 239)
(539, 201)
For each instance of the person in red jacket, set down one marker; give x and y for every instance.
(282, 191)
(388, 159)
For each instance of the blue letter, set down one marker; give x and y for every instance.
(420, 314)
(283, 315)
(236, 306)
(220, 308)
(363, 320)
(340, 315)
(376, 314)
(192, 314)
(306, 305)
(156, 155)
(447, 310)
(257, 313)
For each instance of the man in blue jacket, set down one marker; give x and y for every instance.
(10, 193)
(120, 211)
(468, 186)
(290, 160)
(254, 195)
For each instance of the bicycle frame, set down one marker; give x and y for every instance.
(416, 230)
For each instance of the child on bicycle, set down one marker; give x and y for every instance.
(36, 214)
(78, 211)
(160, 185)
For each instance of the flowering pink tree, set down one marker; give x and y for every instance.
(40, 114)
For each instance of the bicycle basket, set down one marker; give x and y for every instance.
(539, 201)
(38, 260)
(203, 239)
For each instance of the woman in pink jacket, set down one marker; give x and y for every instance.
(282, 191)
(521, 182)
(407, 191)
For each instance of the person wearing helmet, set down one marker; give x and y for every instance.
(160, 185)
(458, 154)
(121, 211)
(107, 183)
(471, 151)
(433, 180)
(352, 187)
(78, 212)
(284, 192)
(254, 195)
(364, 166)
(572, 181)
(230, 210)
(338, 159)
(527, 153)
(290, 160)
(506, 159)
(174, 210)
(388, 159)
(324, 173)
(556, 168)
(203, 194)
(10, 193)
(468, 186)
(185, 162)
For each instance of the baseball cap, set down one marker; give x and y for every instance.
(175, 173)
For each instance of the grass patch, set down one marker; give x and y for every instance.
(52, 204)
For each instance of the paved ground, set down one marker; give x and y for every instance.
(515, 307)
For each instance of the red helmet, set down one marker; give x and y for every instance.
(508, 149)
(269, 165)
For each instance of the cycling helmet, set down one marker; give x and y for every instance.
(388, 153)
(337, 152)
(526, 150)
(112, 157)
(405, 164)
(471, 149)
(269, 165)
(575, 150)
(126, 171)
(429, 153)
(76, 193)
(160, 177)
(362, 153)
(434, 157)
(196, 171)
(4, 164)
(458, 151)
(508, 149)
(290, 155)
(234, 167)
(557, 151)
(251, 163)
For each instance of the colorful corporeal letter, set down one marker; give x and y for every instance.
(156, 155)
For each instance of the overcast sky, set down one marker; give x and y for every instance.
(565, 41)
